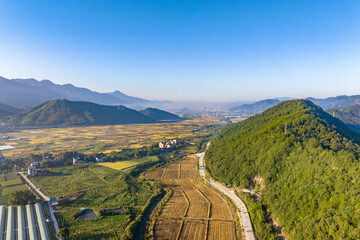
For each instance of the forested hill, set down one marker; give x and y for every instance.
(349, 115)
(71, 113)
(159, 115)
(309, 162)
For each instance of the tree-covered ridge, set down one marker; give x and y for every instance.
(63, 112)
(159, 115)
(309, 162)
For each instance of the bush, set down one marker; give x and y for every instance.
(22, 197)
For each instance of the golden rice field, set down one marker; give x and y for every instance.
(193, 211)
(102, 138)
(122, 165)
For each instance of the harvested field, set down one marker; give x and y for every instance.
(193, 229)
(167, 228)
(194, 210)
(220, 230)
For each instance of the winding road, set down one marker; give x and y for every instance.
(249, 233)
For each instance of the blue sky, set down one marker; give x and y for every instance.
(186, 49)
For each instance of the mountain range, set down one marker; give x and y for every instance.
(255, 108)
(26, 93)
(326, 103)
(65, 113)
(31, 92)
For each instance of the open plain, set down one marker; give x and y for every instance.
(105, 139)
(194, 210)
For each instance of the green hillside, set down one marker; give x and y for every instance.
(309, 162)
(69, 113)
(159, 115)
(349, 115)
(6, 111)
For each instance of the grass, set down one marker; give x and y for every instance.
(109, 227)
(9, 183)
(121, 165)
(103, 138)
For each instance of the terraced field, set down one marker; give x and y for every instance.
(194, 210)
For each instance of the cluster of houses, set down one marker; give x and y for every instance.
(168, 145)
(9, 138)
(77, 160)
(34, 171)
(52, 158)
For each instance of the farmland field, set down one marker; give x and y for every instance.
(103, 187)
(9, 183)
(194, 210)
(121, 165)
(103, 138)
(97, 188)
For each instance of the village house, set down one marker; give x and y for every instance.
(32, 171)
(77, 160)
(167, 145)
(35, 164)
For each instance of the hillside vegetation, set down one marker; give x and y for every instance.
(309, 162)
(349, 115)
(6, 111)
(159, 115)
(69, 113)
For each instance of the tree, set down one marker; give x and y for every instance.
(63, 233)
(22, 197)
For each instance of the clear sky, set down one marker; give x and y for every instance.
(186, 49)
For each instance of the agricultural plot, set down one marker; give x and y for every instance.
(193, 229)
(167, 228)
(102, 186)
(122, 165)
(202, 212)
(95, 187)
(221, 230)
(103, 138)
(9, 183)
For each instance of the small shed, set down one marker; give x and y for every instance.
(53, 201)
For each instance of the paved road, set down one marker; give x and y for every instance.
(43, 196)
(244, 214)
(37, 190)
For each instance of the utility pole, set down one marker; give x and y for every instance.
(285, 128)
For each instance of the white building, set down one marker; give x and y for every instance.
(32, 171)
(35, 164)
(77, 160)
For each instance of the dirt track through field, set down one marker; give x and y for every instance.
(194, 210)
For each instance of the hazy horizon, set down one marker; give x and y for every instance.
(186, 51)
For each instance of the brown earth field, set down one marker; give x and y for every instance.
(193, 211)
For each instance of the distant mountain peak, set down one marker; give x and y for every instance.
(31, 92)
